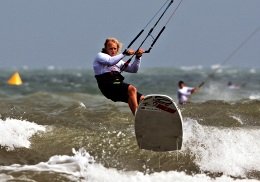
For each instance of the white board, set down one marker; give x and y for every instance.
(158, 124)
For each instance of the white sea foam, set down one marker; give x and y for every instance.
(238, 119)
(82, 105)
(223, 150)
(252, 70)
(254, 97)
(82, 167)
(16, 133)
(190, 68)
(218, 91)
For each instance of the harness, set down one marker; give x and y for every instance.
(112, 77)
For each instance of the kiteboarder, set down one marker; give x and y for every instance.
(184, 92)
(107, 65)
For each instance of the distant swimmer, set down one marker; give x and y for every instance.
(233, 86)
(184, 92)
(107, 67)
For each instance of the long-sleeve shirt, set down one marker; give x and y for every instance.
(183, 94)
(104, 63)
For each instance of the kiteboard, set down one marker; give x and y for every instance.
(158, 124)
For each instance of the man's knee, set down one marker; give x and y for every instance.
(132, 89)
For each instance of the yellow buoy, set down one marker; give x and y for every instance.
(15, 79)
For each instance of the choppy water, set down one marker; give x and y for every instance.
(58, 127)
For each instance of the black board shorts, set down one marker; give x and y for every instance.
(117, 91)
(113, 87)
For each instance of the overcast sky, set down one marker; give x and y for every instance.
(69, 33)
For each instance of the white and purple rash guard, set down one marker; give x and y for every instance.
(104, 63)
(183, 94)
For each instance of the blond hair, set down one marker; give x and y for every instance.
(114, 40)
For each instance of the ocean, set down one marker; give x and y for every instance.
(57, 126)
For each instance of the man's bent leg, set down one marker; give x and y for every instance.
(132, 100)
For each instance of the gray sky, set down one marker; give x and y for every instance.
(69, 33)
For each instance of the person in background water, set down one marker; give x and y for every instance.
(107, 71)
(233, 86)
(184, 92)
